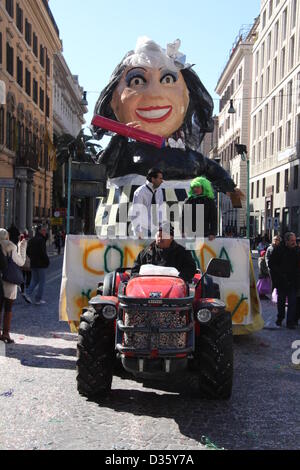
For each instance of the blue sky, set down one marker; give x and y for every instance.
(96, 34)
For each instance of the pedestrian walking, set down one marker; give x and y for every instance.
(264, 281)
(18, 256)
(284, 269)
(58, 241)
(298, 284)
(26, 267)
(147, 206)
(39, 261)
(195, 223)
(275, 242)
(3, 265)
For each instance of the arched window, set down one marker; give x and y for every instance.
(20, 130)
(11, 131)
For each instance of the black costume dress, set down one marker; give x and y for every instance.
(126, 165)
(202, 227)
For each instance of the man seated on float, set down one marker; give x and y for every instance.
(164, 251)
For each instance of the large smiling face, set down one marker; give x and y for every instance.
(154, 100)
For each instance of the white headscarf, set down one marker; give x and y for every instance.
(149, 54)
(4, 235)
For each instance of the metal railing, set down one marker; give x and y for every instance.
(26, 157)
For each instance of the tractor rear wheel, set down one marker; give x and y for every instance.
(213, 359)
(95, 354)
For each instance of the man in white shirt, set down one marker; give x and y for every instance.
(147, 205)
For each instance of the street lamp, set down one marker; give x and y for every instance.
(218, 160)
(84, 101)
(231, 109)
(70, 151)
(242, 151)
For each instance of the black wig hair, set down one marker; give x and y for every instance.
(198, 119)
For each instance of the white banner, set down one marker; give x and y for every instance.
(87, 259)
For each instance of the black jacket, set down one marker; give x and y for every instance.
(3, 265)
(176, 256)
(122, 158)
(195, 227)
(37, 252)
(284, 266)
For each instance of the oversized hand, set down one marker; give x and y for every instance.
(134, 124)
(236, 197)
(239, 193)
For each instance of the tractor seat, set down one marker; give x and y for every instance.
(153, 270)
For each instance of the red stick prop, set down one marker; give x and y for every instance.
(127, 131)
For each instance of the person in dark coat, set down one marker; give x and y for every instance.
(58, 241)
(164, 251)
(39, 262)
(284, 268)
(3, 265)
(298, 284)
(193, 222)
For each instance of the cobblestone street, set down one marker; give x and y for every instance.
(41, 409)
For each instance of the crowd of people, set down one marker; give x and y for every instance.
(23, 265)
(279, 277)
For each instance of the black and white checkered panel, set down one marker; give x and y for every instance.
(112, 214)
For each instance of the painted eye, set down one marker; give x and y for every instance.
(136, 81)
(168, 79)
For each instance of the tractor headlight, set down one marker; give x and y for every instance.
(204, 315)
(109, 312)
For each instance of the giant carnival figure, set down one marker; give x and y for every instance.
(158, 112)
(156, 91)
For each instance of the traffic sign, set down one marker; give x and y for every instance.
(56, 221)
(276, 223)
(269, 223)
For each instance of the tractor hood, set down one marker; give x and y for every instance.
(156, 287)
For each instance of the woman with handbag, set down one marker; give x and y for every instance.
(3, 265)
(12, 276)
(264, 281)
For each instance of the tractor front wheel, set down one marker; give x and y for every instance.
(95, 354)
(213, 359)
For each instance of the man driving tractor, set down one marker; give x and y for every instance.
(164, 251)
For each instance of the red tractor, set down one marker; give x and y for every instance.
(158, 326)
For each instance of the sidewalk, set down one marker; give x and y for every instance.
(52, 251)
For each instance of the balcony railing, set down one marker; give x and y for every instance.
(26, 157)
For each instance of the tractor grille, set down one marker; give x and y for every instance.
(166, 329)
(152, 322)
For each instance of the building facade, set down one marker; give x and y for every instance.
(275, 119)
(29, 39)
(235, 90)
(68, 118)
(68, 111)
